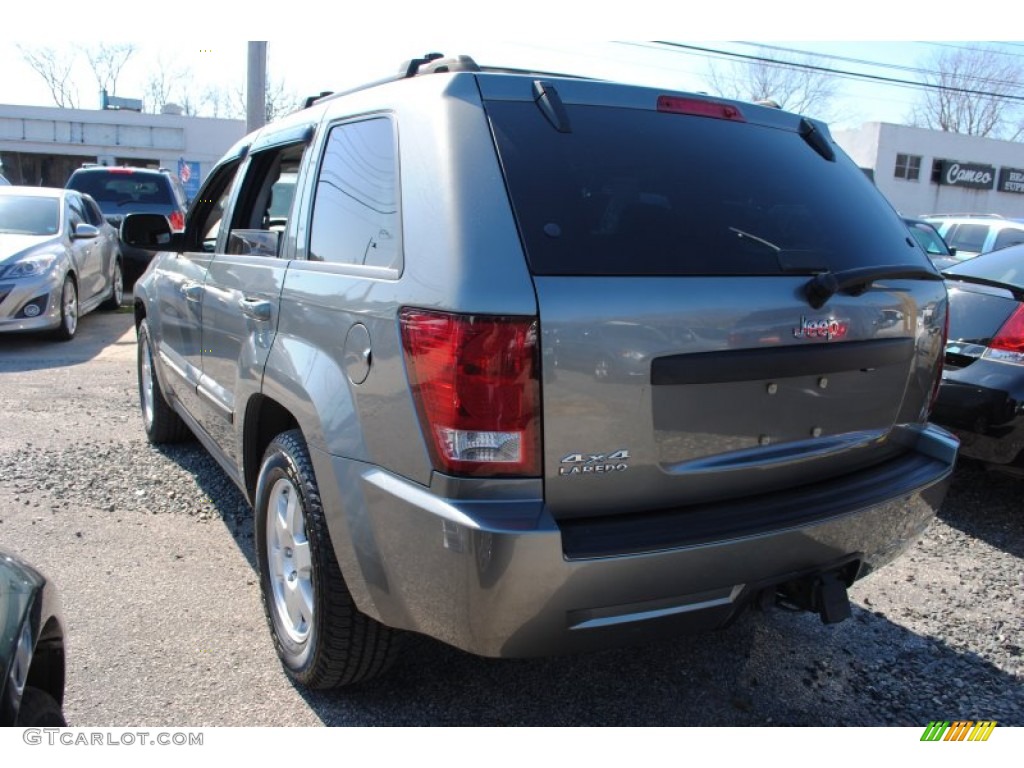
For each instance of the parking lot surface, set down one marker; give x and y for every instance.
(152, 550)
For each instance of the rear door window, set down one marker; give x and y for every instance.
(355, 210)
(968, 237)
(638, 192)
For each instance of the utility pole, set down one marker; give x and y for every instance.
(256, 86)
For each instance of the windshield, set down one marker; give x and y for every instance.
(29, 215)
(639, 192)
(928, 237)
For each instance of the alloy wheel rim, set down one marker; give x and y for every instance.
(69, 301)
(118, 286)
(147, 386)
(290, 565)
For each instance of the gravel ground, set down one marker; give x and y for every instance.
(152, 551)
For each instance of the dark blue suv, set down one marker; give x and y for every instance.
(120, 190)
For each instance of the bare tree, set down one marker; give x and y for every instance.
(280, 101)
(974, 91)
(55, 68)
(168, 83)
(214, 102)
(796, 84)
(107, 60)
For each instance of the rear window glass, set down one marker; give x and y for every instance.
(634, 192)
(1005, 266)
(1008, 237)
(123, 187)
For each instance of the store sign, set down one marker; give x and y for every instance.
(972, 175)
(1011, 180)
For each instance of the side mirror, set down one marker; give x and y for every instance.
(84, 231)
(150, 231)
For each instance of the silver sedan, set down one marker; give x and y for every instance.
(59, 259)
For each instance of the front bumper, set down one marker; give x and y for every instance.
(983, 404)
(44, 290)
(479, 568)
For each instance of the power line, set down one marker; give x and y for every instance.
(845, 73)
(898, 67)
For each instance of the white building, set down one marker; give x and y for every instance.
(41, 146)
(923, 171)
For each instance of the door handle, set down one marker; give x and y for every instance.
(257, 309)
(192, 291)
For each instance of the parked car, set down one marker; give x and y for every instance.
(121, 189)
(59, 260)
(387, 378)
(32, 647)
(971, 234)
(982, 394)
(928, 237)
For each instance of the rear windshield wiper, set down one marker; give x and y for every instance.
(789, 261)
(824, 285)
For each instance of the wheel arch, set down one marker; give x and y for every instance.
(47, 670)
(265, 418)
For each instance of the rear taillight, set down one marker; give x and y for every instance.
(177, 221)
(474, 380)
(1008, 344)
(937, 384)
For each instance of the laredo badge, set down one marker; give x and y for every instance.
(594, 463)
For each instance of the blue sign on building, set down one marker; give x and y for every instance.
(188, 172)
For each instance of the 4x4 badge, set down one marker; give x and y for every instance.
(594, 463)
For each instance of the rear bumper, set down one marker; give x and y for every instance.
(492, 576)
(983, 404)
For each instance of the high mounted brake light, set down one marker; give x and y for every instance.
(474, 380)
(700, 108)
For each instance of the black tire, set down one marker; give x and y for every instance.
(160, 421)
(117, 295)
(327, 642)
(68, 310)
(39, 710)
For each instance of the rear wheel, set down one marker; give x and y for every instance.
(160, 421)
(320, 636)
(39, 709)
(117, 293)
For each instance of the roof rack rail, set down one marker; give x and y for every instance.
(431, 63)
(311, 100)
(436, 62)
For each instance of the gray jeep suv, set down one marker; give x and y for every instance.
(536, 364)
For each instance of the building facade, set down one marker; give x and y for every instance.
(923, 171)
(41, 146)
